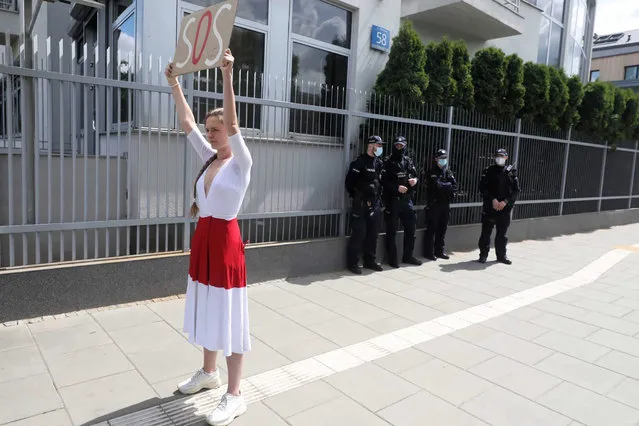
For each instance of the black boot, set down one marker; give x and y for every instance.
(355, 269)
(442, 255)
(482, 258)
(412, 261)
(504, 260)
(375, 266)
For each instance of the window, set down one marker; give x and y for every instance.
(544, 5)
(322, 21)
(594, 75)
(577, 59)
(558, 10)
(253, 10)
(544, 37)
(123, 51)
(119, 7)
(248, 49)
(555, 45)
(580, 31)
(632, 73)
(318, 78)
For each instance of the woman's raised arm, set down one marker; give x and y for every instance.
(186, 117)
(238, 146)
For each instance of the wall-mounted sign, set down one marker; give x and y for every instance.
(380, 38)
(203, 37)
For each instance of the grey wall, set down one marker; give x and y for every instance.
(57, 290)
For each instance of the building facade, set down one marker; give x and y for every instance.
(295, 38)
(615, 58)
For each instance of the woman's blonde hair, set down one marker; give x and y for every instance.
(219, 114)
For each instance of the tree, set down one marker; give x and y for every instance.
(404, 77)
(439, 68)
(597, 108)
(570, 117)
(465, 93)
(514, 90)
(557, 99)
(630, 117)
(489, 71)
(537, 84)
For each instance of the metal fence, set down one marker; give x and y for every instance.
(111, 176)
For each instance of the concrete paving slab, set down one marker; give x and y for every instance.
(106, 396)
(588, 407)
(28, 397)
(372, 386)
(52, 418)
(580, 373)
(21, 362)
(87, 364)
(126, 317)
(446, 381)
(515, 376)
(500, 407)
(15, 337)
(424, 407)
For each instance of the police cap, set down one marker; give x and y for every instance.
(375, 139)
(501, 152)
(441, 153)
(400, 140)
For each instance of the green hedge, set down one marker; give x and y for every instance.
(501, 86)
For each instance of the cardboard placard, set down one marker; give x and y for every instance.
(203, 38)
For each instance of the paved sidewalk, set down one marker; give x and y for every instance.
(551, 340)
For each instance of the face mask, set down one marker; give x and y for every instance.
(500, 161)
(379, 151)
(397, 152)
(442, 163)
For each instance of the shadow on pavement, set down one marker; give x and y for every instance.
(156, 414)
(469, 265)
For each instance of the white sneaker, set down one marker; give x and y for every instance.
(229, 408)
(199, 381)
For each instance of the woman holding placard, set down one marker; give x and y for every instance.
(216, 313)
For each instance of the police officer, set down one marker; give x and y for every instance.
(364, 188)
(440, 190)
(399, 178)
(499, 187)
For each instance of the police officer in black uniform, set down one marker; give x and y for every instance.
(499, 187)
(441, 187)
(399, 178)
(364, 187)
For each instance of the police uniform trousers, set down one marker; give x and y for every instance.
(364, 232)
(401, 209)
(501, 221)
(437, 217)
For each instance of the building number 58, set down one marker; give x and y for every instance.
(382, 38)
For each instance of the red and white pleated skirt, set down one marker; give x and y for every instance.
(216, 313)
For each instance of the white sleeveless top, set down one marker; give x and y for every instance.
(229, 186)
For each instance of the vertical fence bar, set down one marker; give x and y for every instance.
(603, 173)
(565, 172)
(9, 121)
(38, 113)
(74, 148)
(347, 158)
(632, 175)
(517, 141)
(449, 129)
(187, 221)
(49, 128)
(61, 145)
